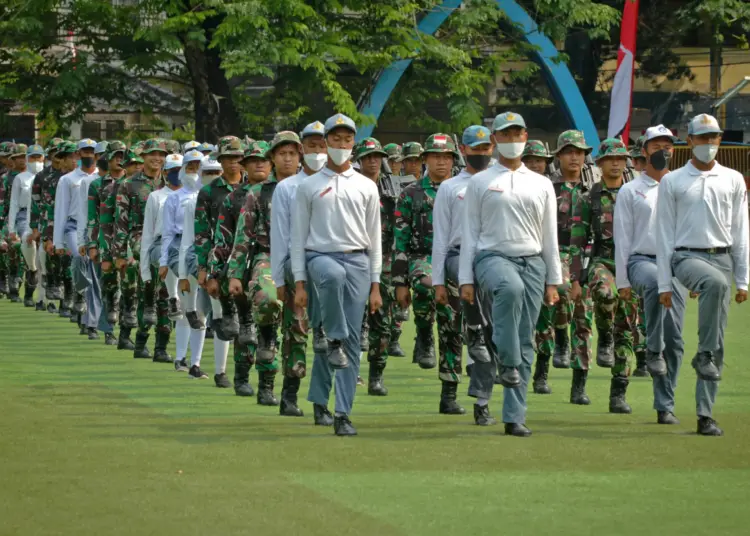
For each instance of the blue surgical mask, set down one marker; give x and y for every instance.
(173, 176)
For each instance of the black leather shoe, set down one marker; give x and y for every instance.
(342, 426)
(475, 345)
(482, 416)
(655, 364)
(93, 334)
(336, 356)
(110, 339)
(320, 343)
(707, 427)
(40, 306)
(221, 381)
(509, 377)
(561, 356)
(516, 429)
(51, 308)
(322, 416)
(666, 417)
(704, 366)
(83, 330)
(175, 313)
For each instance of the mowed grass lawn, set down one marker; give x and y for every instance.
(95, 442)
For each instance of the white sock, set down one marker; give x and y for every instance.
(182, 333)
(221, 351)
(197, 340)
(171, 284)
(216, 308)
(481, 402)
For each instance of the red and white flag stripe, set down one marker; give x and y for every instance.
(622, 88)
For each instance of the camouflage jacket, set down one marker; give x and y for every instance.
(207, 207)
(565, 192)
(37, 187)
(130, 208)
(413, 227)
(96, 188)
(6, 183)
(226, 225)
(108, 198)
(244, 239)
(593, 217)
(47, 218)
(387, 223)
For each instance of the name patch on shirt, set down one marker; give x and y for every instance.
(638, 192)
(495, 189)
(324, 192)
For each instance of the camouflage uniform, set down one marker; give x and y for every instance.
(593, 220)
(535, 148)
(7, 150)
(412, 268)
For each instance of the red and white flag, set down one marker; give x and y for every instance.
(622, 88)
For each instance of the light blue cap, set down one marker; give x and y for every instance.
(173, 161)
(339, 120)
(313, 129)
(192, 155)
(205, 146)
(189, 145)
(476, 135)
(704, 124)
(101, 147)
(35, 150)
(507, 120)
(87, 143)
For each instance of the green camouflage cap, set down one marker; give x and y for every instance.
(393, 150)
(132, 157)
(5, 148)
(67, 147)
(536, 148)
(612, 147)
(411, 149)
(231, 146)
(368, 146)
(440, 143)
(115, 147)
(283, 137)
(19, 149)
(173, 147)
(257, 149)
(52, 145)
(153, 145)
(574, 138)
(635, 150)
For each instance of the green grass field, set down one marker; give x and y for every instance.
(95, 442)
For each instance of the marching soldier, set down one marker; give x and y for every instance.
(393, 150)
(11, 257)
(537, 159)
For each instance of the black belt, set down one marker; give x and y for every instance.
(645, 255)
(347, 252)
(710, 251)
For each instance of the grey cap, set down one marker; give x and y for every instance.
(507, 120)
(313, 129)
(704, 124)
(339, 120)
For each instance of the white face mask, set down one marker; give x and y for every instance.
(705, 153)
(191, 181)
(511, 150)
(339, 156)
(316, 161)
(35, 167)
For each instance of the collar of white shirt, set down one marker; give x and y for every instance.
(349, 172)
(650, 181)
(694, 171)
(502, 169)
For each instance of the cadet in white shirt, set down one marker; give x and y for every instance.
(335, 246)
(635, 268)
(447, 225)
(510, 247)
(702, 238)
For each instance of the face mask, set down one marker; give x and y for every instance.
(87, 161)
(660, 160)
(478, 161)
(35, 167)
(103, 164)
(705, 153)
(339, 156)
(173, 177)
(190, 180)
(511, 150)
(316, 161)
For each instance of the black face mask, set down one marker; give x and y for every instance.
(478, 161)
(103, 164)
(87, 161)
(660, 160)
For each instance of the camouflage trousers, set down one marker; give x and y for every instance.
(121, 286)
(449, 317)
(613, 314)
(151, 292)
(294, 327)
(380, 323)
(245, 353)
(266, 308)
(15, 262)
(639, 329)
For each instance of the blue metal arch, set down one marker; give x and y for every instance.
(558, 75)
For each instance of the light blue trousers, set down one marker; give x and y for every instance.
(515, 285)
(663, 326)
(711, 277)
(342, 285)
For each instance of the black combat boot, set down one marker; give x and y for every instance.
(28, 296)
(123, 341)
(375, 385)
(265, 395)
(605, 350)
(40, 306)
(51, 308)
(160, 348)
(561, 356)
(289, 390)
(541, 370)
(482, 416)
(13, 290)
(112, 306)
(129, 312)
(140, 350)
(424, 349)
(578, 388)
(242, 385)
(228, 326)
(618, 388)
(79, 303)
(322, 416)
(110, 339)
(448, 404)
(248, 333)
(394, 348)
(149, 307)
(640, 364)
(52, 288)
(3, 283)
(266, 345)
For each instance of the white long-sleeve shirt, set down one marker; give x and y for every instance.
(447, 222)
(172, 219)
(20, 198)
(513, 213)
(634, 223)
(336, 212)
(152, 225)
(702, 209)
(188, 234)
(71, 202)
(282, 203)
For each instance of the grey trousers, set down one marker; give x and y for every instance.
(711, 277)
(663, 326)
(515, 286)
(342, 282)
(87, 279)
